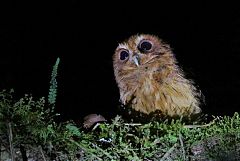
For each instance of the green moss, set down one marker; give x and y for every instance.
(33, 125)
(174, 141)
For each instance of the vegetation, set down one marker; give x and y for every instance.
(28, 130)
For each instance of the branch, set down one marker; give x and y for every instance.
(168, 152)
(10, 138)
(43, 156)
(181, 143)
(196, 126)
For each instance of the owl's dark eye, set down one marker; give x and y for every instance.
(144, 46)
(124, 55)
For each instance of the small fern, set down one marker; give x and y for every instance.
(53, 85)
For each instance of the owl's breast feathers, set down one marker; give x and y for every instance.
(173, 96)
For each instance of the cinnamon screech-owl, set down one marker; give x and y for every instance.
(150, 80)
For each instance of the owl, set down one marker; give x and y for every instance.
(149, 78)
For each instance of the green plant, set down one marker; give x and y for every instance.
(53, 85)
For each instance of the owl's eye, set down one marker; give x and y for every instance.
(144, 46)
(124, 55)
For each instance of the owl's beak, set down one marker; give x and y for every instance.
(136, 60)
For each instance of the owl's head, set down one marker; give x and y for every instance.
(141, 53)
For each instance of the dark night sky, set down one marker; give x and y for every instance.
(205, 38)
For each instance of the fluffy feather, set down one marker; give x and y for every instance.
(158, 83)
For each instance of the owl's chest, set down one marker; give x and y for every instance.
(143, 86)
(145, 96)
(149, 80)
(147, 85)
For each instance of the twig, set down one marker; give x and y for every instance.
(133, 124)
(128, 124)
(42, 153)
(168, 152)
(97, 124)
(196, 126)
(10, 138)
(183, 150)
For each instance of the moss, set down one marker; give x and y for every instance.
(116, 140)
(172, 141)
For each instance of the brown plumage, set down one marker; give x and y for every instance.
(150, 80)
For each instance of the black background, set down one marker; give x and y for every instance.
(205, 38)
